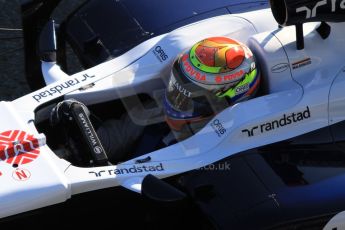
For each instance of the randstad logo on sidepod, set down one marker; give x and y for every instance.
(286, 119)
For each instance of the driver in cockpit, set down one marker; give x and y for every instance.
(212, 75)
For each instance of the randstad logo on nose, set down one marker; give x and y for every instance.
(286, 119)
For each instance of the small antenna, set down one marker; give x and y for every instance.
(299, 36)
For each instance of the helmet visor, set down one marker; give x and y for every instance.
(178, 95)
(186, 98)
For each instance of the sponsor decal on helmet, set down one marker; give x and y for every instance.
(194, 74)
(286, 119)
(230, 77)
(18, 147)
(279, 68)
(160, 54)
(129, 170)
(301, 63)
(180, 88)
(191, 71)
(241, 89)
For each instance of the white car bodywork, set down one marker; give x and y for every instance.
(304, 92)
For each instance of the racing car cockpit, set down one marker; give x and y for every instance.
(207, 78)
(117, 123)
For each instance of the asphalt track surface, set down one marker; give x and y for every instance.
(12, 77)
(12, 70)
